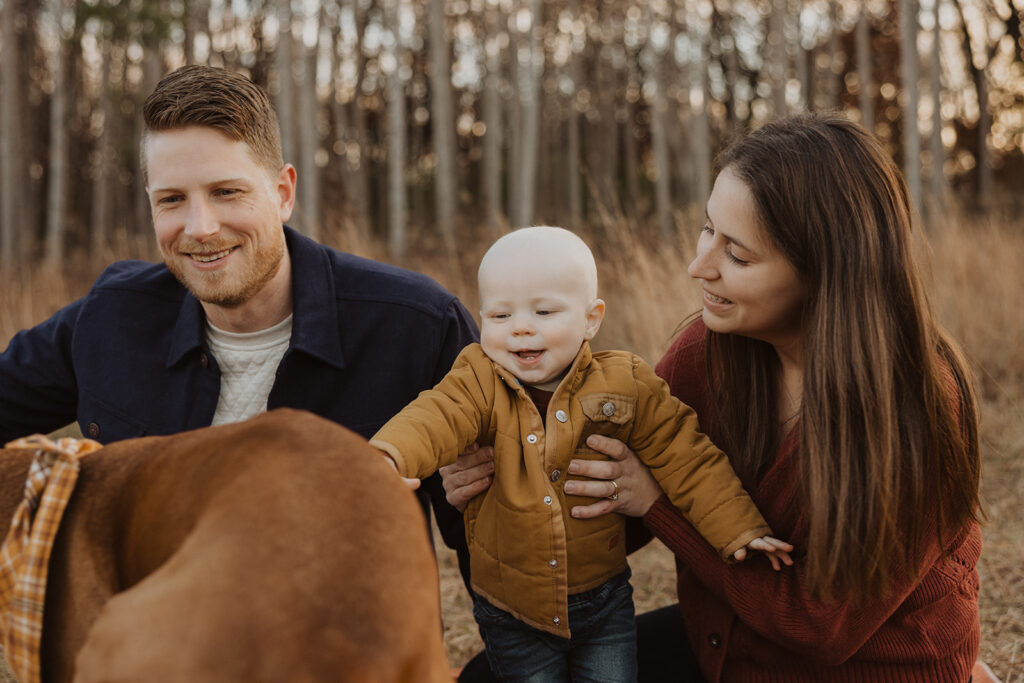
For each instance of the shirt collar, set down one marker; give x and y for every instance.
(315, 328)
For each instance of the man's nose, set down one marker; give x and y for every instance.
(201, 222)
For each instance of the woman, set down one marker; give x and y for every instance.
(818, 366)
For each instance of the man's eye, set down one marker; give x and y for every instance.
(226, 192)
(170, 199)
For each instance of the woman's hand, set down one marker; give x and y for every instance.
(624, 484)
(469, 476)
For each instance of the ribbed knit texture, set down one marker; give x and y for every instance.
(749, 623)
(248, 365)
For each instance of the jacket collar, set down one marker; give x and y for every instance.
(574, 376)
(315, 329)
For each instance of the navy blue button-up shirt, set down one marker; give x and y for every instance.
(130, 357)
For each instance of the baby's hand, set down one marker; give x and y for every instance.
(772, 547)
(412, 484)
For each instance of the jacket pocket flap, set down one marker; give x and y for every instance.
(614, 408)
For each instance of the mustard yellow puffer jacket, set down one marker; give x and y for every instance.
(527, 554)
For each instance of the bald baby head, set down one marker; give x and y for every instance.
(538, 302)
(544, 248)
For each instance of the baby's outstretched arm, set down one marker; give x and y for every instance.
(413, 484)
(775, 549)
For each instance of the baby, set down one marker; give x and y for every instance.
(552, 591)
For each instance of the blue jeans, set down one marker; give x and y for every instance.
(602, 648)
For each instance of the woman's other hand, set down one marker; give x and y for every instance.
(624, 484)
(469, 476)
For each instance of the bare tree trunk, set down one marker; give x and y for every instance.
(699, 107)
(573, 139)
(833, 86)
(309, 140)
(910, 69)
(491, 189)
(283, 60)
(396, 136)
(197, 28)
(778, 54)
(442, 123)
(659, 139)
(864, 80)
(100, 228)
(361, 172)
(522, 209)
(938, 154)
(985, 176)
(57, 182)
(731, 65)
(152, 71)
(10, 135)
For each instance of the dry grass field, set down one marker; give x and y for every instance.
(975, 277)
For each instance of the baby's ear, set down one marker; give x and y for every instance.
(595, 314)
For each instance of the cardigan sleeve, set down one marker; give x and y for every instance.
(441, 422)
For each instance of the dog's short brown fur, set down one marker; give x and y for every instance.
(278, 549)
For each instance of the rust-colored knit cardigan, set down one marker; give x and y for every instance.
(751, 624)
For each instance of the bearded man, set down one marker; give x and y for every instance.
(244, 314)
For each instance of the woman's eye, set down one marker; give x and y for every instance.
(708, 229)
(732, 257)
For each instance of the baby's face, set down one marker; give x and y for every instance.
(535, 315)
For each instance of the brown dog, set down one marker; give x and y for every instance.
(278, 549)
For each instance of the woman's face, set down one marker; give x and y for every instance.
(749, 287)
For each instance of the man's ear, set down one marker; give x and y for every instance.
(285, 185)
(595, 314)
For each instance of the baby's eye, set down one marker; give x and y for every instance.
(499, 316)
(544, 311)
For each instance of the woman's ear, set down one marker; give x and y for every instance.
(595, 314)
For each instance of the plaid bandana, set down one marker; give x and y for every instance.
(25, 554)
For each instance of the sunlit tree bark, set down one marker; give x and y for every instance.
(396, 134)
(58, 172)
(442, 123)
(522, 209)
(309, 189)
(492, 113)
(909, 76)
(11, 170)
(865, 81)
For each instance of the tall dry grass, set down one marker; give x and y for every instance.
(975, 279)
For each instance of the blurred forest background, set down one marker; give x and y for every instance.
(422, 122)
(423, 128)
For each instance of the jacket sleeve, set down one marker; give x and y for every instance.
(441, 422)
(695, 474)
(780, 607)
(38, 389)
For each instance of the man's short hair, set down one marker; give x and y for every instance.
(197, 95)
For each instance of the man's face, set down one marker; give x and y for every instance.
(217, 213)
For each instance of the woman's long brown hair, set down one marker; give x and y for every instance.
(888, 425)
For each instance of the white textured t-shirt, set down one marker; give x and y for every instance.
(248, 363)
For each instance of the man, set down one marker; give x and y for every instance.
(244, 314)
